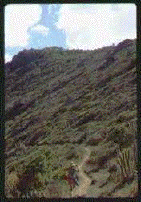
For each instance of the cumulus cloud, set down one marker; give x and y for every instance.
(49, 8)
(41, 29)
(8, 58)
(18, 18)
(90, 26)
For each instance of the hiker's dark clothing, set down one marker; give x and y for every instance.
(74, 175)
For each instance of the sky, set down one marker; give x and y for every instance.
(71, 26)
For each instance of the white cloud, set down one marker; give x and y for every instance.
(41, 29)
(8, 58)
(90, 26)
(18, 18)
(49, 8)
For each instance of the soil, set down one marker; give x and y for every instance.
(85, 181)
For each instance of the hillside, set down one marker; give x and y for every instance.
(58, 103)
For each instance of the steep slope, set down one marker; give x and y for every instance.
(60, 101)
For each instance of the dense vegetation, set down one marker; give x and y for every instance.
(60, 101)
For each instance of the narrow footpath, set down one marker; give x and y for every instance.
(84, 180)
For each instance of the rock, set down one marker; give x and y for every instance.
(93, 182)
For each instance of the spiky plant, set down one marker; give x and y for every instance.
(126, 165)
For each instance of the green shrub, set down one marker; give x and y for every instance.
(11, 182)
(59, 173)
(120, 136)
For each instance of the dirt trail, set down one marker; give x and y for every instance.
(84, 179)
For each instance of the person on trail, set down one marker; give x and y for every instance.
(72, 176)
(73, 173)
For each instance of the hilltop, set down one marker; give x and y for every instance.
(59, 102)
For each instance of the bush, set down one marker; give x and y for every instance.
(11, 183)
(28, 182)
(120, 136)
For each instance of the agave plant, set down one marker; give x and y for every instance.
(126, 165)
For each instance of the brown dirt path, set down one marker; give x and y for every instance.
(85, 181)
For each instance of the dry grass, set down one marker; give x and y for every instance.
(11, 182)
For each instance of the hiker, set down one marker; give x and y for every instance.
(72, 176)
(73, 173)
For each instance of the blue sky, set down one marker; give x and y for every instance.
(71, 26)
